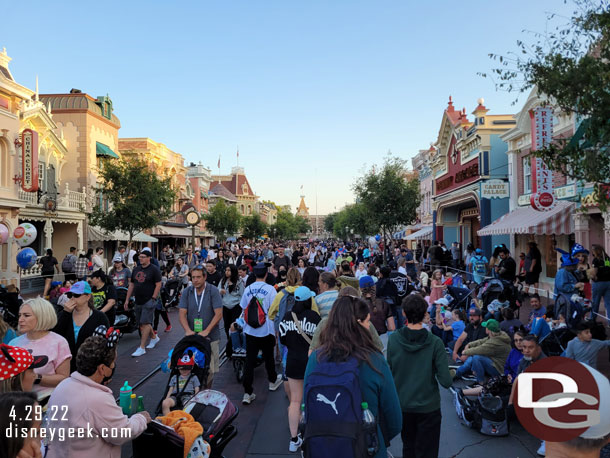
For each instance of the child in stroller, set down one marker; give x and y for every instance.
(184, 386)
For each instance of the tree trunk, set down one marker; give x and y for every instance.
(385, 263)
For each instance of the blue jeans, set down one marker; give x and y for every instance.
(238, 339)
(601, 289)
(495, 315)
(480, 366)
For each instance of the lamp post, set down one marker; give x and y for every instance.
(346, 233)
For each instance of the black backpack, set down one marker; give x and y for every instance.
(67, 266)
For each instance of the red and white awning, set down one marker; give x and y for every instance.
(526, 220)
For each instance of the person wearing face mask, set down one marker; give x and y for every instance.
(90, 403)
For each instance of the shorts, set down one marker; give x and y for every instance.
(531, 277)
(215, 357)
(47, 274)
(145, 312)
(295, 368)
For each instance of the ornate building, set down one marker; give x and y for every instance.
(238, 185)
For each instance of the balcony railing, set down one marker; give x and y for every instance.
(67, 200)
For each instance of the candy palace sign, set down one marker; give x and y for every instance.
(497, 189)
(29, 160)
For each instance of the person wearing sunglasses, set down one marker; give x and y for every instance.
(79, 318)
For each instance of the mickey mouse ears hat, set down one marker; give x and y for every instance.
(186, 362)
(15, 360)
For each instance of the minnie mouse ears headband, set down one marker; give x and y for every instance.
(111, 335)
(15, 360)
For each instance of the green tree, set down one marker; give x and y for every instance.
(570, 65)
(137, 198)
(288, 226)
(222, 220)
(252, 226)
(329, 222)
(355, 218)
(388, 198)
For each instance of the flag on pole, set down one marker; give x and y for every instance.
(218, 161)
(301, 187)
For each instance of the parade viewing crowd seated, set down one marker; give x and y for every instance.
(391, 326)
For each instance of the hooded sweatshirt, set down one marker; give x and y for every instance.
(495, 348)
(417, 360)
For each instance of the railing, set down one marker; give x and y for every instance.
(68, 199)
(34, 271)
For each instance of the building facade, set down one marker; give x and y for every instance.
(238, 185)
(198, 183)
(470, 176)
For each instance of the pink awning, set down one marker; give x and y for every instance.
(526, 220)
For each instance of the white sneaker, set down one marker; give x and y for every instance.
(275, 385)
(139, 352)
(542, 449)
(294, 446)
(248, 398)
(153, 342)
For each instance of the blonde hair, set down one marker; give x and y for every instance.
(4, 327)
(439, 271)
(44, 312)
(293, 277)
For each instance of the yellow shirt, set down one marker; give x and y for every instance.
(275, 305)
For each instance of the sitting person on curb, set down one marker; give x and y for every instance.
(486, 357)
(584, 348)
(473, 331)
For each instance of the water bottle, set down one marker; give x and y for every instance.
(302, 421)
(140, 404)
(369, 427)
(125, 398)
(133, 402)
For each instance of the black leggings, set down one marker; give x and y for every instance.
(228, 317)
(163, 314)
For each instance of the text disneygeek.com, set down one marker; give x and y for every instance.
(61, 434)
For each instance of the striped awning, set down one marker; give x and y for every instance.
(173, 231)
(423, 234)
(526, 220)
(399, 235)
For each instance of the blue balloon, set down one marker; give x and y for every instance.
(26, 258)
(378, 237)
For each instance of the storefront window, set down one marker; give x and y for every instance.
(42, 175)
(527, 175)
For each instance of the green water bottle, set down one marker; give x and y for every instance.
(125, 398)
(140, 404)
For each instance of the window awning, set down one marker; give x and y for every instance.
(97, 234)
(173, 231)
(526, 220)
(103, 150)
(399, 235)
(423, 234)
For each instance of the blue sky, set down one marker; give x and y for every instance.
(306, 89)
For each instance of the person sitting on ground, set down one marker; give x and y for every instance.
(185, 385)
(55, 292)
(36, 319)
(453, 330)
(91, 404)
(18, 366)
(473, 331)
(346, 337)
(510, 324)
(584, 348)
(538, 310)
(417, 360)
(486, 357)
(495, 307)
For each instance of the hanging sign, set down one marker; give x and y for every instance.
(494, 189)
(542, 198)
(29, 160)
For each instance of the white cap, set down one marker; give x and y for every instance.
(246, 247)
(442, 301)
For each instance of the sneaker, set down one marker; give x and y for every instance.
(275, 385)
(153, 342)
(169, 328)
(294, 445)
(542, 449)
(139, 352)
(248, 398)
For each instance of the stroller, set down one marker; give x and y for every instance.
(125, 320)
(460, 297)
(170, 294)
(556, 342)
(572, 308)
(9, 306)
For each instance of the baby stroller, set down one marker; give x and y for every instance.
(125, 320)
(460, 297)
(556, 342)
(491, 291)
(9, 306)
(202, 351)
(572, 308)
(170, 294)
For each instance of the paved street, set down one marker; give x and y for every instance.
(263, 427)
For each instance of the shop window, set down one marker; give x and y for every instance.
(4, 165)
(243, 211)
(527, 175)
(42, 176)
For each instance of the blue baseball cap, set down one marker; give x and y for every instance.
(55, 283)
(478, 251)
(366, 281)
(81, 287)
(261, 268)
(302, 293)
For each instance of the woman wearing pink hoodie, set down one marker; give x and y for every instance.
(83, 401)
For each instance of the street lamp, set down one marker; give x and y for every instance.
(346, 232)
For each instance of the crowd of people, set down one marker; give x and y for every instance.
(308, 310)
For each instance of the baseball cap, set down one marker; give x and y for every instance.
(55, 283)
(246, 247)
(492, 325)
(478, 251)
(186, 362)
(146, 251)
(366, 281)
(117, 258)
(442, 301)
(81, 287)
(15, 360)
(475, 311)
(261, 268)
(302, 293)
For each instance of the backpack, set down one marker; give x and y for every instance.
(487, 414)
(333, 412)
(67, 266)
(255, 314)
(286, 304)
(479, 266)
